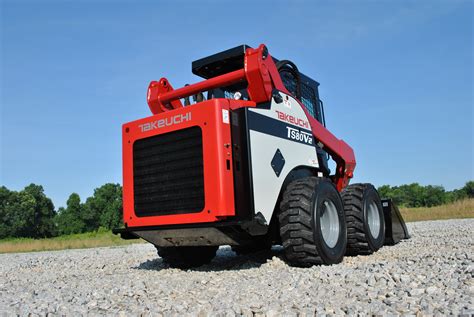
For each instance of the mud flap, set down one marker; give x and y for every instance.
(395, 228)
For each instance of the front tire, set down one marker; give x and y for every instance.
(187, 257)
(312, 223)
(365, 219)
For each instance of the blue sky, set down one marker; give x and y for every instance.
(396, 78)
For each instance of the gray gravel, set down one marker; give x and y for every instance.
(431, 274)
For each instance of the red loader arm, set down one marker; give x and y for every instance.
(262, 78)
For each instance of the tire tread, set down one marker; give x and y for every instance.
(295, 223)
(357, 240)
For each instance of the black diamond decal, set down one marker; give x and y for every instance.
(278, 162)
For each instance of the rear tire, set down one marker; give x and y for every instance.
(312, 223)
(365, 219)
(187, 257)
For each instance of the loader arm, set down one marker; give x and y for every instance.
(262, 78)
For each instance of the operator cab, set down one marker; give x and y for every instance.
(299, 85)
(233, 59)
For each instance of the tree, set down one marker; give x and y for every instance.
(4, 219)
(415, 195)
(69, 219)
(104, 208)
(385, 191)
(28, 213)
(17, 211)
(469, 189)
(43, 222)
(433, 196)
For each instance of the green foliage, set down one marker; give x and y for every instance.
(455, 195)
(30, 214)
(69, 220)
(27, 213)
(44, 212)
(415, 195)
(104, 208)
(469, 189)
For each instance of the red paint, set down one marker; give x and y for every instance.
(218, 180)
(262, 77)
(260, 74)
(339, 150)
(157, 88)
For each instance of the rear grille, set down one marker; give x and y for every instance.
(168, 173)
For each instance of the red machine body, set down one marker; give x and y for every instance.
(169, 114)
(219, 194)
(247, 168)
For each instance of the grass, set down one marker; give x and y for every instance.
(73, 241)
(456, 210)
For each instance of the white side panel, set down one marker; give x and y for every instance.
(266, 184)
(271, 133)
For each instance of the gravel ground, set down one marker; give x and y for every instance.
(431, 274)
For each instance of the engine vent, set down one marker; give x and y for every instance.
(168, 173)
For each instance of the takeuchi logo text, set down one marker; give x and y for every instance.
(293, 120)
(165, 122)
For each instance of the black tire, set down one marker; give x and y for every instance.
(357, 199)
(305, 201)
(187, 257)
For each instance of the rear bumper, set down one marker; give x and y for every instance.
(187, 236)
(197, 234)
(213, 119)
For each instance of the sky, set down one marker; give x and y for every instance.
(396, 79)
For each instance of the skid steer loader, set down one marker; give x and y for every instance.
(241, 159)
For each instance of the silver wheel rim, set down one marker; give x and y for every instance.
(329, 223)
(373, 219)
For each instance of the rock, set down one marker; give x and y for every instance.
(416, 291)
(430, 274)
(371, 281)
(272, 313)
(431, 290)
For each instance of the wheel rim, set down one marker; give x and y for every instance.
(329, 223)
(373, 219)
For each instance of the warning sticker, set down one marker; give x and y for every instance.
(225, 116)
